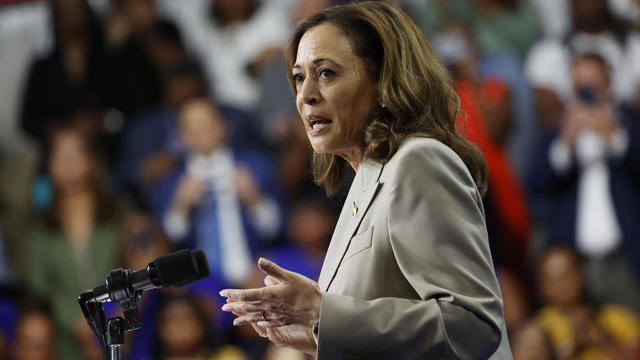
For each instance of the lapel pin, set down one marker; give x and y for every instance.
(355, 209)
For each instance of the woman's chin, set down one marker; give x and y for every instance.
(320, 148)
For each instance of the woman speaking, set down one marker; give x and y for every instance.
(408, 273)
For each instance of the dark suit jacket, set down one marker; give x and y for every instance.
(562, 190)
(261, 169)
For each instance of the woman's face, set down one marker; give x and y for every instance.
(69, 163)
(560, 279)
(34, 339)
(180, 329)
(202, 127)
(334, 93)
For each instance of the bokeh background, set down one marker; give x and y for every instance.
(133, 128)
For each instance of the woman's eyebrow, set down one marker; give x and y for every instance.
(316, 62)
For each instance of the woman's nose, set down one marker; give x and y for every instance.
(309, 92)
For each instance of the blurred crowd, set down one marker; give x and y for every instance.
(133, 128)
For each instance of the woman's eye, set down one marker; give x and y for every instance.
(297, 78)
(325, 73)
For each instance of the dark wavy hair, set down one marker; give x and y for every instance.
(105, 207)
(417, 92)
(210, 341)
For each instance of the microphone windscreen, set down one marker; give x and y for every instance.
(181, 268)
(201, 263)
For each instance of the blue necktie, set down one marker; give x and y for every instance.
(208, 233)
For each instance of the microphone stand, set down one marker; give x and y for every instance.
(110, 332)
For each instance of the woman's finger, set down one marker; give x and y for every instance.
(260, 318)
(271, 268)
(246, 295)
(243, 307)
(260, 330)
(273, 323)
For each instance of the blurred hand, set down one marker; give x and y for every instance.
(156, 166)
(600, 119)
(289, 302)
(573, 121)
(246, 187)
(189, 192)
(585, 330)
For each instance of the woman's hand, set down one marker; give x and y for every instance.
(285, 310)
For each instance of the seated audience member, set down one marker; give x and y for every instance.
(141, 241)
(143, 46)
(35, 333)
(73, 246)
(529, 342)
(486, 119)
(590, 169)
(151, 142)
(183, 331)
(75, 75)
(309, 232)
(218, 199)
(579, 329)
(503, 31)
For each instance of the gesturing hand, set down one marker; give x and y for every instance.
(285, 310)
(294, 300)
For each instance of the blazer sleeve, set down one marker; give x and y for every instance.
(438, 235)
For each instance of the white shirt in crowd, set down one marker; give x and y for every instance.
(226, 52)
(597, 228)
(218, 169)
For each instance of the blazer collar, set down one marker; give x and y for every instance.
(371, 171)
(363, 190)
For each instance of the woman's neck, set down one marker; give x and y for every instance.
(76, 212)
(353, 156)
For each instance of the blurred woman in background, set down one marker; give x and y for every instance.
(183, 332)
(74, 245)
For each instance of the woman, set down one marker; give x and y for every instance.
(183, 332)
(408, 273)
(76, 75)
(75, 245)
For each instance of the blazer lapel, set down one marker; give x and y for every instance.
(363, 190)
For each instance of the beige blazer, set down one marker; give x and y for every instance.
(408, 273)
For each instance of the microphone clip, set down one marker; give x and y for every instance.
(110, 332)
(121, 291)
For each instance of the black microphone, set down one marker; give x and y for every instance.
(172, 270)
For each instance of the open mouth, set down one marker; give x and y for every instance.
(318, 123)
